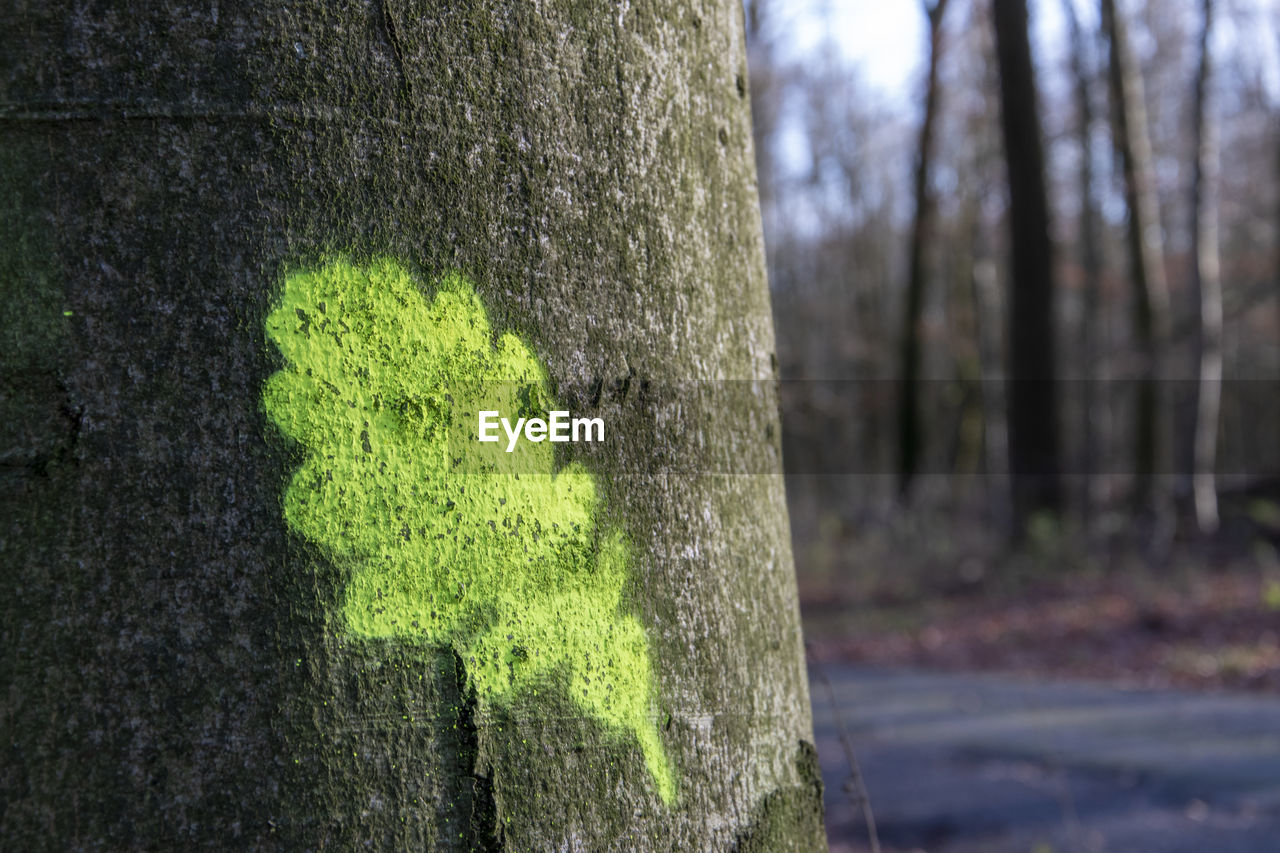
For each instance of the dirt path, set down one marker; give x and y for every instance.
(959, 763)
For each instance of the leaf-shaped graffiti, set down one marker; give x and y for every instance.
(445, 545)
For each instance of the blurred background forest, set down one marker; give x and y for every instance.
(1026, 287)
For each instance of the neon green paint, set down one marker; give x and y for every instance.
(446, 541)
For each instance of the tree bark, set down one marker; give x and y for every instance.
(910, 437)
(1151, 290)
(1034, 462)
(1207, 284)
(179, 668)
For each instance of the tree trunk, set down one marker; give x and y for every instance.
(1090, 320)
(1034, 465)
(237, 242)
(995, 431)
(1208, 286)
(910, 438)
(1146, 257)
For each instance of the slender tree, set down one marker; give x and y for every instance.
(262, 589)
(910, 438)
(985, 160)
(1207, 284)
(1147, 270)
(1034, 464)
(1091, 256)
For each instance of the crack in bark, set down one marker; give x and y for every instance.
(479, 811)
(397, 49)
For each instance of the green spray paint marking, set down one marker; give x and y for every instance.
(509, 569)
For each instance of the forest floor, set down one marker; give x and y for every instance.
(1181, 626)
(1072, 695)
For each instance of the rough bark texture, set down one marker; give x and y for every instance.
(910, 439)
(177, 672)
(1146, 264)
(1034, 463)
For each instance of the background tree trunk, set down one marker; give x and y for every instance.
(1091, 259)
(1207, 286)
(1150, 284)
(910, 440)
(1034, 463)
(178, 672)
